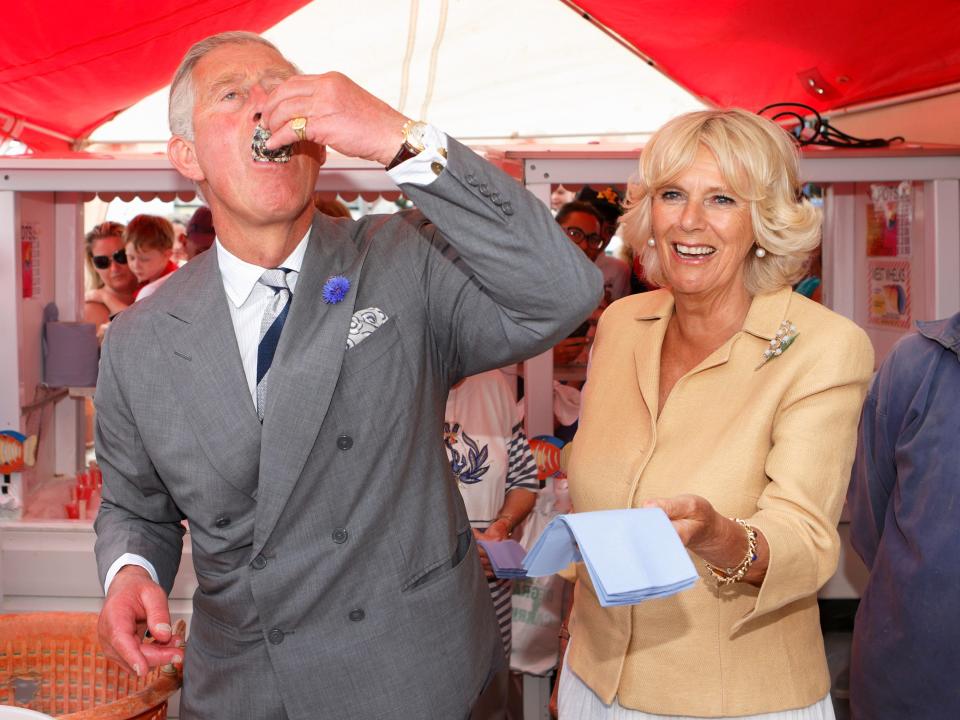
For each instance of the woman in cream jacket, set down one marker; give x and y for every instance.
(732, 403)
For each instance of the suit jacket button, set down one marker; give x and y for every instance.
(222, 521)
(357, 615)
(496, 199)
(275, 636)
(339, 536)
(259, 562)
(507, 208)
(344, 442)
(484, 190)
(471, 180)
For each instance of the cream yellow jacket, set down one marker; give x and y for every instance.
(773, 445)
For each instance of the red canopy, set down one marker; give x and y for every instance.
(828, 55)
(69, 66)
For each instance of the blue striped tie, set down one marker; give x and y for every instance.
(270, 327)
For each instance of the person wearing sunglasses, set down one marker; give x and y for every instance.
(117, 284)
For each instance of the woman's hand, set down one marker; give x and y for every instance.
(692, 516)
(715, 538)
(497, 531)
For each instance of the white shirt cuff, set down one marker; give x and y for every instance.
(128, 559)
(419, 170)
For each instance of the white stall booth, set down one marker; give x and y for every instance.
(891, 256)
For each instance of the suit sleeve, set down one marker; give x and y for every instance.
(137, 514)
(501, 282)
(813, 441)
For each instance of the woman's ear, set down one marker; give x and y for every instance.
(183, 157)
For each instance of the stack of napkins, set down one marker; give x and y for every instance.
(506, 557)
(631, 555)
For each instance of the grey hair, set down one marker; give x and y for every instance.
(182, 93)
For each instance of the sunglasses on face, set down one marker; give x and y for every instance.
(102, 262)
(580, 237)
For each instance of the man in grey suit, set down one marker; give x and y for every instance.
(285, 394)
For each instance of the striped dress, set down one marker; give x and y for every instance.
(489, 456)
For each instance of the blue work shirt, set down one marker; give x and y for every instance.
(904, 500)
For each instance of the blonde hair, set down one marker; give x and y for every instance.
(760, 162)
(182, 94)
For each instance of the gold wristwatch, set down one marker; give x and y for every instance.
(414, 133)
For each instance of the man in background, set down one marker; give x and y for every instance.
(904, 502)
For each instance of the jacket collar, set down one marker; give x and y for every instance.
(767, 312)
(946, 332)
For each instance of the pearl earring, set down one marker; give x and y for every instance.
(760, 252)
(651, 242)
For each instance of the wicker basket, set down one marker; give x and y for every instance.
(51, 663)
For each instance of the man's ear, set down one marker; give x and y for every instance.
(183, 157)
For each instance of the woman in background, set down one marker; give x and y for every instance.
(491, 461)
(116, 284)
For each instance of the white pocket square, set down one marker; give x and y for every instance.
(363, 323)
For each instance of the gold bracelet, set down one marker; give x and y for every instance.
(511, 521)
(732, 575)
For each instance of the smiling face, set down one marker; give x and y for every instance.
(117, 276)
(231, 85)
(702, 229)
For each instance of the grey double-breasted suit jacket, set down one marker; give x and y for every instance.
(336, 569)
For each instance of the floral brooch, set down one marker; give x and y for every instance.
(786, 334)
(335, 289)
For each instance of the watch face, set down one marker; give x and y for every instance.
(416, 135)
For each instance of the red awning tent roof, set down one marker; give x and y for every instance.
(68, 67)
(750, 53)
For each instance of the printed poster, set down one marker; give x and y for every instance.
(30, 259)
(889, 216)
(889, 288)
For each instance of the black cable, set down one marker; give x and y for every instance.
(812, 129)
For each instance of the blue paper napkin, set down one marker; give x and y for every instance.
(506, 557)
(631, 555)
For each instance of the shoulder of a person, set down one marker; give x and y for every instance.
(388, 232)
(827, 328)
(909, 362)
(632, 307)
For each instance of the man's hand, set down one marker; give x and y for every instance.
(135, 602)
(339, 113)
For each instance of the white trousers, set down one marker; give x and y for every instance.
(578, 702)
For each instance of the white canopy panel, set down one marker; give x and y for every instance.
(483, 71)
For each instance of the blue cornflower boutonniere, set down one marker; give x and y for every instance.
(786, 334)
(335, 289)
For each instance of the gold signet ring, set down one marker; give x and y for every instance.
(299, 125)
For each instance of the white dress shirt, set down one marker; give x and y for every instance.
(247, 298)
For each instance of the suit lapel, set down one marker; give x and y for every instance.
(198, 337)
(653, 327)
(305, 369)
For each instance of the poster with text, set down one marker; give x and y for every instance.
(30, 259)
(889, 216)
(889, 288)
